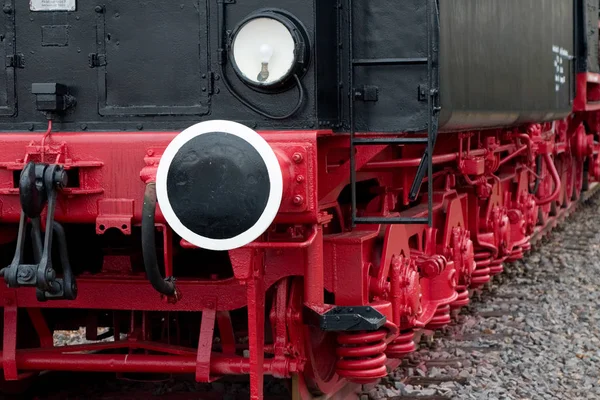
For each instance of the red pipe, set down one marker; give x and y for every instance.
(414, 162)
(555, 178)
(270, 245)
(48, 131)
(42, 361)
(287, 245)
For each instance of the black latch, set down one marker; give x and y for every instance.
(367, 93)
(96, 60)
(52, 97)
(15, 61)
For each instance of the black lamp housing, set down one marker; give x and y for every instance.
(301, 50)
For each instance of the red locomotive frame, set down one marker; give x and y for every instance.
(484, 214)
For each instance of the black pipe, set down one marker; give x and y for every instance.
(165, 286)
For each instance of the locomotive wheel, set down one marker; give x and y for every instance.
(577, 167)
(545, 189)
(319, 378)
(564, 166)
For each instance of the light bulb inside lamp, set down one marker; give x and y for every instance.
(266, 52)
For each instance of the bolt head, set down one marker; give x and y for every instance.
(61, 178)
(297, 157)
(298, 200)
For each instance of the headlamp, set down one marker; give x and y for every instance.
(268, 48)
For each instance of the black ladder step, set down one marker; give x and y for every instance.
(389, 61)
(376, 141)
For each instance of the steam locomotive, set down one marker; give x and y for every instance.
(290, 188)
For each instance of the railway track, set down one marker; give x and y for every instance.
(443, 366)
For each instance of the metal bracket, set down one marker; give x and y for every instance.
(38, 185)
(15, 61)
(367, 93)
(345, 319)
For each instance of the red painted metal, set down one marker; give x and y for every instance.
(143, 363)
(207, 328)
(485, 211)
(9, 343)
(362, 356)
(588, 92)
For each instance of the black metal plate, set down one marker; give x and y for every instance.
(388, 31)
(156, 58)
(346, 319)
(218, 185)
(497, 62)
(8, 100)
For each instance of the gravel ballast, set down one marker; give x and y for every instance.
(534, 335)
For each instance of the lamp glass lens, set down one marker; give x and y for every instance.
(263, 51)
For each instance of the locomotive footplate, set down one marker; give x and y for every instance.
(38, 186)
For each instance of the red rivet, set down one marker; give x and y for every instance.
(298, 200)
(297, 157)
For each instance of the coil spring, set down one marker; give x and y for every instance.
(463, 298)
(516, 254)
(481, 275)
(496, 268)
(441, 318)
(362, 356)
(403, 345)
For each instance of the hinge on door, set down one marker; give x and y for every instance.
(97, 60)
(367, 93)
(15, 61)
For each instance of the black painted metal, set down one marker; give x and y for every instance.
(431, 94)
(345, 319)
(162, 285)
(38, 187)
(389, 50)
(586, 35)
(155, 65)
(301, 52)
(390, 61)
(498, 62)
(218, 185)
(52, 98)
